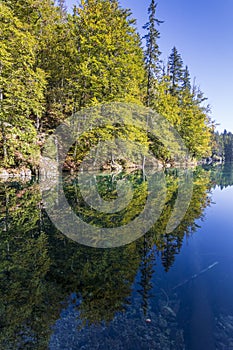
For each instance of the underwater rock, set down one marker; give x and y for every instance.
(128, 330)
(224, 332)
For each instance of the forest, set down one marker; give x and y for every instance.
(222, 147)
(54, 64)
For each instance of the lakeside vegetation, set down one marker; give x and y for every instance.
(223, 146)
(53, 64)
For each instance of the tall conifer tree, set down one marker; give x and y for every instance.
(152, 52)
(175, 71)
(186, 85)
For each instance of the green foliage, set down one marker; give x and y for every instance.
(21, 89)
(195, 127)
(53, 64)
(184, 108)
(175, 65)
(222, 146)
(107, 63)
(152, 52)
(24, 264)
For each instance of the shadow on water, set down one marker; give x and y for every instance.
(58, 294)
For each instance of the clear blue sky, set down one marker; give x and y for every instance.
(202, 31)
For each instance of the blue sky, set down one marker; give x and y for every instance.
(202, 31)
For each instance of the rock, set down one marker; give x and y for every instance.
(4, 174)
(224, 332)
(28, 173)
(25, 173)
(48, 167)
(162, 323)
(21, 173)
(179, 337)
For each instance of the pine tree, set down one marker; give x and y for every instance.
(152, 53)
(175, 71)
(186, 85)
(227, 140)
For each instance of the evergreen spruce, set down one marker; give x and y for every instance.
(175, 63)
(152, 52)
(186, 85)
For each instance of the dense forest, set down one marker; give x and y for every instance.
(222, 147)
(53, 64)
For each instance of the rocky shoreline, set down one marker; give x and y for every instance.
(49, 168)
(19, 173)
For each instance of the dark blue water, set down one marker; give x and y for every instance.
(162, 291)
(207, 297)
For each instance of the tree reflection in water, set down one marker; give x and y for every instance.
(43, 272)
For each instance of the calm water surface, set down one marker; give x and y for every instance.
(163, 291)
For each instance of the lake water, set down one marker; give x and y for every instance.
(166, 290)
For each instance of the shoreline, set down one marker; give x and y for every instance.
(26, 173)
(48, 168)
